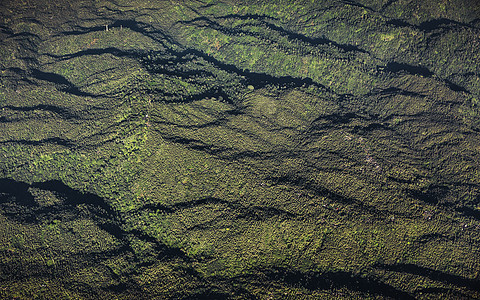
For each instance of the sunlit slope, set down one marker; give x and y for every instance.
(190, 150)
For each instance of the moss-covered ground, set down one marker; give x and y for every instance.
(239, 149)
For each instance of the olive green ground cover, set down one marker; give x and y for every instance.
(239, 150)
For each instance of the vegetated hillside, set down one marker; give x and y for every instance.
(239, 149)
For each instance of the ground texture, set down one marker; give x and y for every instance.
(239, 149)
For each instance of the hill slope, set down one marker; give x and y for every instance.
(239, 149)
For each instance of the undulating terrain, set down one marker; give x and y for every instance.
(239, 149)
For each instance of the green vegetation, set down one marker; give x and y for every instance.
(239, 149)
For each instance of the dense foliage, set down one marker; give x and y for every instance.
(239, 149)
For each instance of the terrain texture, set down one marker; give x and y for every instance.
(240, 149)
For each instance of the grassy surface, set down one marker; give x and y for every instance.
(234, 149)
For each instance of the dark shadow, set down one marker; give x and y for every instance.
(247, 17)
(468, 211)
(455, 87)
(340, 279)
(431, 25)
(18, 203)
(433, 275)
(18, 190)
(432, 195)
(413, 70)
(64, 85)
(96, 51)
(54, 140)
(289, 34)
(65, 113)
(439, 23)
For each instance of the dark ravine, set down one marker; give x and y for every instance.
(433, 274)
(19, 204)
(329, 280)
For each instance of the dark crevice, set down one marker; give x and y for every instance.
(53, 140)
(431, 25)
(304, 183)
(63, 84)
(246, 154)
(257, 80)
(265, 212)
(196, 144)
(65, 113)
(432, 195)
(25, 35)
(440, 23)
(341, 120)
(455, 87)
(469, 211)
(17, 202)
(413, 70)
(18, 189)
(5, 120)
(323, 192)
(289, 34)
(169, 66)
(97, 51)
(401, 180)
(218, 122)
(19, 75)
(214, 92)
(333, 280)
(246, 17)
(142, 29)
(356, 4)
(158, 207)
(6, 30)
(433, 275)
(255, 212)
(396, 67)
(435, 195)
(70, 198)
(230, 154)
(430, 237)
(139, 27)
(333, 120)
